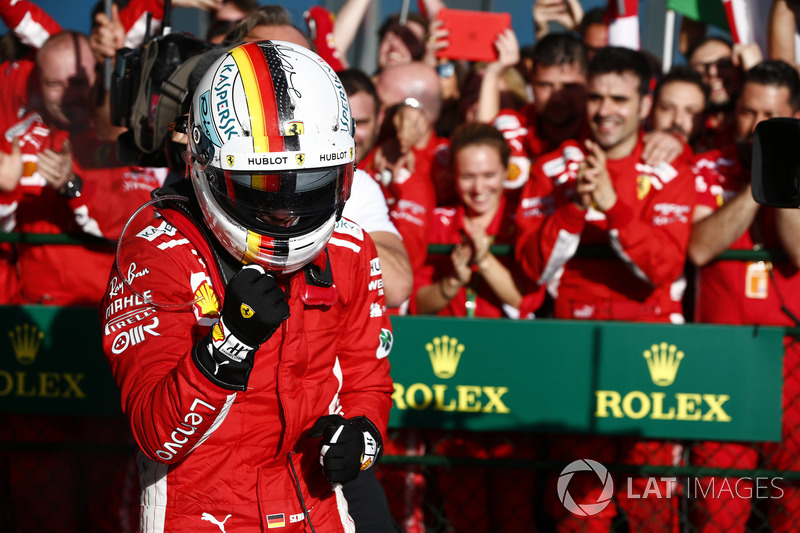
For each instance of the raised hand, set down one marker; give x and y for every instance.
(253, 309)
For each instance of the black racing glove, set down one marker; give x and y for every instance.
(253, 309)
(347, 446)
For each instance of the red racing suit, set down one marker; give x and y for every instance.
(647, 230)
(209, 453)
(748, 292)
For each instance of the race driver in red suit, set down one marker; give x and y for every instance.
(242, 325)
(600, 193)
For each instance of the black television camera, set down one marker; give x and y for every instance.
(151, 86)
(775, 176)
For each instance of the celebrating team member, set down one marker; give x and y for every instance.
(241, 324)
(601, 194)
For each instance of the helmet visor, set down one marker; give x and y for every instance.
(285, 203)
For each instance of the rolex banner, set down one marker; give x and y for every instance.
(652, 380)
(51, 361)
(689, 381)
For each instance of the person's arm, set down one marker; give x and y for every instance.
(713, 231)
(30, 23)
(663, 147)
(10, 167)
(651, 237)
(108, 35)
(781, 28)
(348, 21)
(494, 273)
(398, 278)
(568, 13)
(365, 335)
(489, 96)
(367, 207)
(499, 278)
(549, 225)
(787, 222)
(161, 385)
(435, 296)
(747, 56)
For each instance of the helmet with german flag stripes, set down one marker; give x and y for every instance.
(272, 153)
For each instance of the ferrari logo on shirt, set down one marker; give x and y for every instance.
(247, 311)
(643, 186)
(229, 159)
(300, 158)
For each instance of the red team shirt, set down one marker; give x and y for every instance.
(742, 292)
(525, 141)
(447, 227)
(646, 232)
(411, 198)
(63, 274)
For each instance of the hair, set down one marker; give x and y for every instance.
(619, 60)
(223, 26)
(777, 73)
(356, 81)
(271, 15)
(394, 19)
(593, 16)
(481, 134)
(515, 86)
(12, 48)
(416, 47)
(247, 6)
(557, 49)
(706, 40)
(681, 73)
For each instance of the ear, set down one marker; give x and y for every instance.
(645, 106)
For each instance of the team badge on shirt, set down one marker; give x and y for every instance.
(643, 186)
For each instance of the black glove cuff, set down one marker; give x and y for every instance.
(366, 426)
(220, 369)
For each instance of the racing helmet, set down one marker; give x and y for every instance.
(272, 153)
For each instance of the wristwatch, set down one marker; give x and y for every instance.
(72, 188)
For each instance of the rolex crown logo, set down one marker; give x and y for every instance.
(445, 352)
(26, 340)
(663, 360)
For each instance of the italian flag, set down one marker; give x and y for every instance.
(745, 19)
(622, 19)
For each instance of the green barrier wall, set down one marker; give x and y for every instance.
(665, 381)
